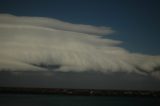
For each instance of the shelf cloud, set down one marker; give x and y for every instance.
(45, 44)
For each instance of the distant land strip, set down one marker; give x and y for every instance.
(81, 92)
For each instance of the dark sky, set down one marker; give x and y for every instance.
(136, 23)
(91, 80)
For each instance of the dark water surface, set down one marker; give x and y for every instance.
(64, 100)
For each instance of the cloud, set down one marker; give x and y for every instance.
(44, 44)
(54, 23)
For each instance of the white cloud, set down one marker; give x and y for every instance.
(28, 42)
(53, 23)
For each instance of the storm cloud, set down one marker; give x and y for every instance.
(45, 44)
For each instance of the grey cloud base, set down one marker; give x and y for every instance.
(43, 44)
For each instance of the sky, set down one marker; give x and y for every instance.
(135, 23)
(133, 20)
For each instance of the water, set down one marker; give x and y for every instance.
(61, 100)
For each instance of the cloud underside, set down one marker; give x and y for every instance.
(44, 44)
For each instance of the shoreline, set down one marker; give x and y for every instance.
(78, 92)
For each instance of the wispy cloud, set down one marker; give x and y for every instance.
(35, 43)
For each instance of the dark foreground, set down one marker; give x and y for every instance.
(74, 100)
(79, 92)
